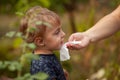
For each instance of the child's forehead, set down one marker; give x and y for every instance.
(38, 15)
(41, 13)
(52, 19)
(53, 27)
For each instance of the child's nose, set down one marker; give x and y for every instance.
(63, 34)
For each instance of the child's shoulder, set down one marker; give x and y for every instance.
(41, 61)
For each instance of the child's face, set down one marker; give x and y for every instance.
(54, 38)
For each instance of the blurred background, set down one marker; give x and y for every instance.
(98, 61)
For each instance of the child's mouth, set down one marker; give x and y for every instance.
(62, 42)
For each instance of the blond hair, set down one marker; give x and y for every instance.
(34, 19)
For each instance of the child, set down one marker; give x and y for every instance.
(43, 28)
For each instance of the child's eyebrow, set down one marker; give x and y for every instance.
(57, 29)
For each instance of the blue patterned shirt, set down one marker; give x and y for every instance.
(49, 64)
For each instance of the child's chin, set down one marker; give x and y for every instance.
(59, 48)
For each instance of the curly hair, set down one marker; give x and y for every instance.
(35, 21)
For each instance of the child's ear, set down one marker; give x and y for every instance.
(39, 41)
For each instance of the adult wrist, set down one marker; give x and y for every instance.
(89, 36)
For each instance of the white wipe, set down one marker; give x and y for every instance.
(64, 52)
(76, 42)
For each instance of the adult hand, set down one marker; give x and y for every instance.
(84, 38)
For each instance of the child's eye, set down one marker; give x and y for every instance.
(57, 32)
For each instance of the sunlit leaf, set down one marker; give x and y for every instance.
(26, 58)
(40, 76)
(46, 3)
(10, 34)
(12, 67)
(47, 24)
(38, 22)
(44, 23)
(27, 75)
(6, 63)
(17, 42)
(19, 13)
(18, 34)
(32, 46)
(99, 74)
(32, 29)
(24, 45)
(17, 65)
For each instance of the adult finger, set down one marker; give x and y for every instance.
(71, 38)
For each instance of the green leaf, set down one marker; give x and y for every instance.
(24, 45)
(6, 63)
(1, 65)
(40, 76)
(12, 67)
(19, 13)
(44, 23)
(47, 24)
(10, 34)
(27, 76)
(31, 45)
(26, 58)
(17, 65)
(19, 78)
(18, 34)
(17, 42)
(38, 23)
(45, 3)
(31, 29)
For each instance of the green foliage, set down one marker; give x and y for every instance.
(22, 6)
(23, 61)
(28, 76)
(13, 34)
(43, 23)
(17, 42)
(61, 5)
(104, 55)
(10, 34)
(11, 65)
(67, 66)
(113, 3)
(31, 46)
(26, 58)
(20, 14)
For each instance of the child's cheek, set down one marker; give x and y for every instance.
(58, 45)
